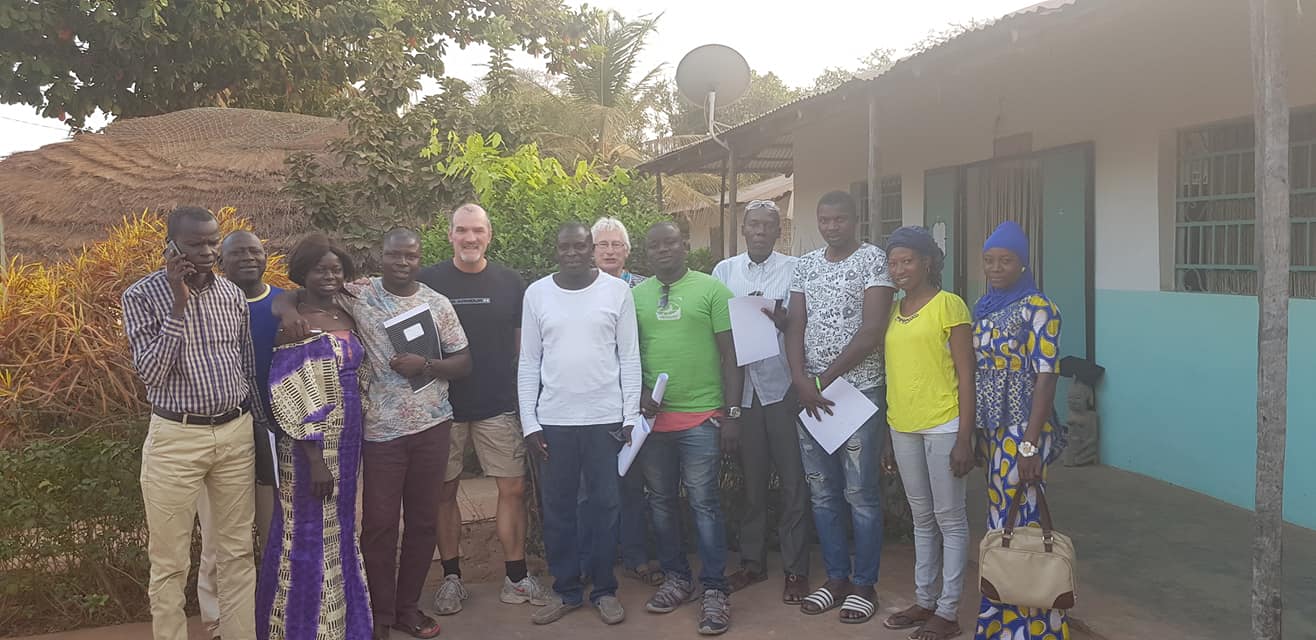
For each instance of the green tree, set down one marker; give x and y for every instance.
(880, 59)
(876, 62)
(607, 109)
(146, 57)
(765, 93)
(528, 196)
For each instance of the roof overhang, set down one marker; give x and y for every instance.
(766, 144)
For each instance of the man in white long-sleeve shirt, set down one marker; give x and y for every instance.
(579, 387)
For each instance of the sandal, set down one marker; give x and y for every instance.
(825, 598)
(744, 578)
(424, 630)
(797, 587)
(912, 617)
(937, 628)
(645, 574)
(855, 603)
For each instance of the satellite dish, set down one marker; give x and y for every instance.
(711, 74)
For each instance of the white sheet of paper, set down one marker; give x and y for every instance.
(413, 332)
(754, 333)
(851, 411)
(626, 457)
(629, 452)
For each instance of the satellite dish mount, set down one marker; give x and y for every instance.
(710, 73)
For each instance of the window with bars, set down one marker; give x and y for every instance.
(890, 215)
(1215, 208)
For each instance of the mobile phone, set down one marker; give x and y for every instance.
(171, 250)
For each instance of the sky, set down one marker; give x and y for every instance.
(796, 44)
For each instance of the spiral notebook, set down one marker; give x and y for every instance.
(414, 331)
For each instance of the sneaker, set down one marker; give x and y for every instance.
(673, 593)
(449, 598)
(551, 611)
(610, 610)
(528, 589)
(715, 615)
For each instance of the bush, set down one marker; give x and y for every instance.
(72, 534)
(64, 358)
(528, 196)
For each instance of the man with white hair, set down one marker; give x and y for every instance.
(487, 297)
(612, 246)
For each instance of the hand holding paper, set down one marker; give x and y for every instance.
(752, 329)
(850, 410)
(626, 457)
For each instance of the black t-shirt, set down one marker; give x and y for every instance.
(489, 307)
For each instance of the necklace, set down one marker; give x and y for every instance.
(327, 312)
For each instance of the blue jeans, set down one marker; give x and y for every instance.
(690, 458)
(633, 528)
(573, 451)
(848, 481)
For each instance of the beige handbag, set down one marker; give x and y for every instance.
(1027, 566)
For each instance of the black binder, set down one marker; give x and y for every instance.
(414, 331)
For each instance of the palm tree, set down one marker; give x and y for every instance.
(606, 113)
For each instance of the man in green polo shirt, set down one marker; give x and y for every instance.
(685, 332)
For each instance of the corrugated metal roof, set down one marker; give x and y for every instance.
(705, 156)
(771, 189)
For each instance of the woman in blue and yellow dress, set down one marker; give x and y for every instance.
(1016, 336)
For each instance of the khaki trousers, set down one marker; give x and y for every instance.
(207, 594)
(179, 462)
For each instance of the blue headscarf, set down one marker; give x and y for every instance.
(1011, 237)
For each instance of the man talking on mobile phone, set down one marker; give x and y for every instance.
(191, 346)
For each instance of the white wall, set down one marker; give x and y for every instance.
(1125, 83)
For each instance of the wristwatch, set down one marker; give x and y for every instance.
(733, 413)
(1027, 449)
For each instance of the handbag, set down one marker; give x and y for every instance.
(1027, 566)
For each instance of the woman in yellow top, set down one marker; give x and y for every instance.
(930, 406)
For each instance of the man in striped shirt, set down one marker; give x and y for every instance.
(191, 347)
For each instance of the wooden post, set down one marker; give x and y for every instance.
(661, 207)
(733, 233)
(1270, 104)
(874, 172)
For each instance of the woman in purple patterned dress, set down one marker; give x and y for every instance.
(312, 582)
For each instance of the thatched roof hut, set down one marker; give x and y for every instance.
(63, 195)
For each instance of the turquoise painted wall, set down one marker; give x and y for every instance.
(1178, 402)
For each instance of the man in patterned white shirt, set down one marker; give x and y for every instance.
(839, 308)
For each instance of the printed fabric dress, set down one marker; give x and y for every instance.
(312, 582)
(1012, 346)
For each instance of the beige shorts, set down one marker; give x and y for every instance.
(498, 444)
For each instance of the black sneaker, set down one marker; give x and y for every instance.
(715, 615)
(673, 593)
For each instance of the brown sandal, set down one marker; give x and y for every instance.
(424, 629)
(912, 617)
(797, 587)
(937, 628)
(744, 578)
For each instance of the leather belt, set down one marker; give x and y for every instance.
(201, 419)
